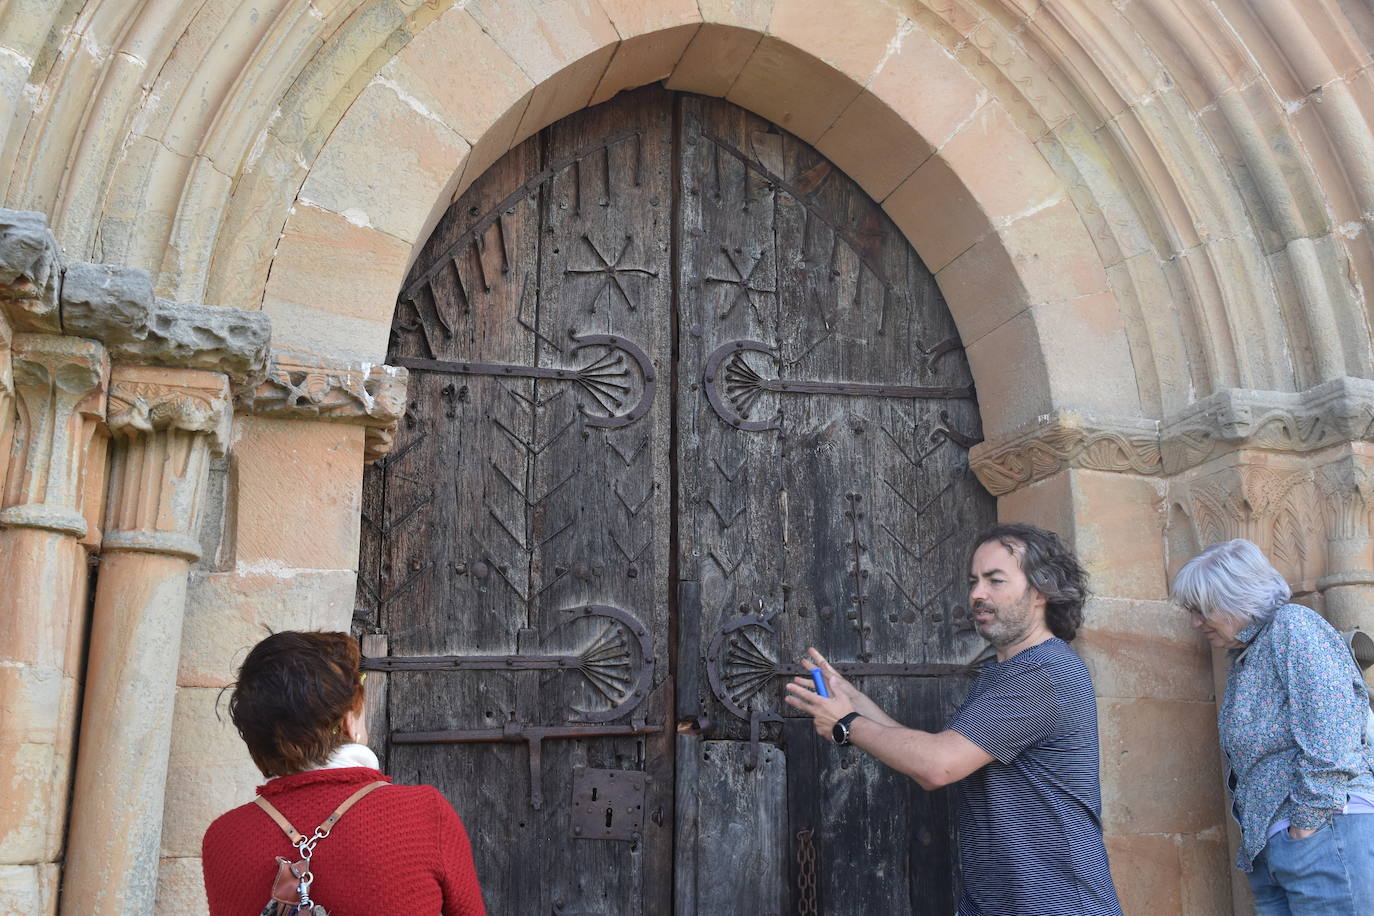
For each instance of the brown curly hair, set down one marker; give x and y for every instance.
(291, 696)
(1051, 568)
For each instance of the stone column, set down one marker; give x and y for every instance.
(59, 385)
(1344, 487)
(164, 424)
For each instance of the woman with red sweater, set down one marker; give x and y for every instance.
(298, 704)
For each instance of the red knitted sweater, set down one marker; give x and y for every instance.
(400, 850)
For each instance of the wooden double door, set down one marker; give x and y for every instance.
(683, 402)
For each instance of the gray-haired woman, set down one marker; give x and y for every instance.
(1292, 725)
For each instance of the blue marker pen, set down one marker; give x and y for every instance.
(820, 682)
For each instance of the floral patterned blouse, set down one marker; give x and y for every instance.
(1292, 727)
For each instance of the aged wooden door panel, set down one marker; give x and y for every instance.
(825, 411)
(683, 402)
(524, 530)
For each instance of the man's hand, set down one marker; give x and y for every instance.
(826, 711)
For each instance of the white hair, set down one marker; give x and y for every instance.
(1234, 578)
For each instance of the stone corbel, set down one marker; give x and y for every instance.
(30, 273)
(303, 388)
(1065, 440)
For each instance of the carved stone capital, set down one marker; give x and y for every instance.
(301, 387)
(1345, 487)
(164, 424)
(116, 305)
(1267, 499)
(59, 384)
(30, 272)
(1066, 440)
(1340, 410)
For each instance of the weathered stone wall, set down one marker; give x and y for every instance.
(1151, 221)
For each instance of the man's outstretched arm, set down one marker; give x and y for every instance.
(933, 760)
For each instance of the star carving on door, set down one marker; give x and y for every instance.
(743, 281)
(611, 271)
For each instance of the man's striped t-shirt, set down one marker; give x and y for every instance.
(1030, 822)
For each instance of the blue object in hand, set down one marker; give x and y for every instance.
(820, 682)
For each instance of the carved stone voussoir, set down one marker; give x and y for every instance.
(300, 387)
(1340, 410)
(1065, 440)
(30, 272)
(116, 305)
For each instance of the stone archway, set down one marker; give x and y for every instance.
(1203, 170)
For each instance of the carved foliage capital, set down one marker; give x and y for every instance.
(146, 399)
(1066, 441)
(1268, 502)
(169, 421)
(1345, 487)
(59, 385)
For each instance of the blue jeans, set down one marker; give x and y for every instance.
(1330, 873)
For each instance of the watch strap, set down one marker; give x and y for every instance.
(843, 726)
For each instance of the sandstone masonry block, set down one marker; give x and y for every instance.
(298, 487)
(747, 14)
(181, 888)
(949, 94)
(564, 92)
(441, 65)
(1155, 786)
(328, 265)
(942, 220)
(870, 29)
(1144, 649)
(227, 613)
(644, 59)
(208, 773)
(386, 163)
(873, 145)
(545, 37)
(29, 888)
(714, 59)
(793, 89)
(1119, 533)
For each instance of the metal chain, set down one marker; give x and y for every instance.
(806, 874)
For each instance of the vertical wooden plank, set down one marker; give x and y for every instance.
(600, 519)
(374, 645)
(804, 823)
(741, 827)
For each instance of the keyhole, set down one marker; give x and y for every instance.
(610, 813)
(593, 793)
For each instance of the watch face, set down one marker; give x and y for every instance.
(841, 733)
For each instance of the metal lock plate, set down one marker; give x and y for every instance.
(608, 804)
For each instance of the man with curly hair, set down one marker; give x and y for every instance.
(1023, 745)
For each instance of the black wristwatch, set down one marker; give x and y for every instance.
(841, 729)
